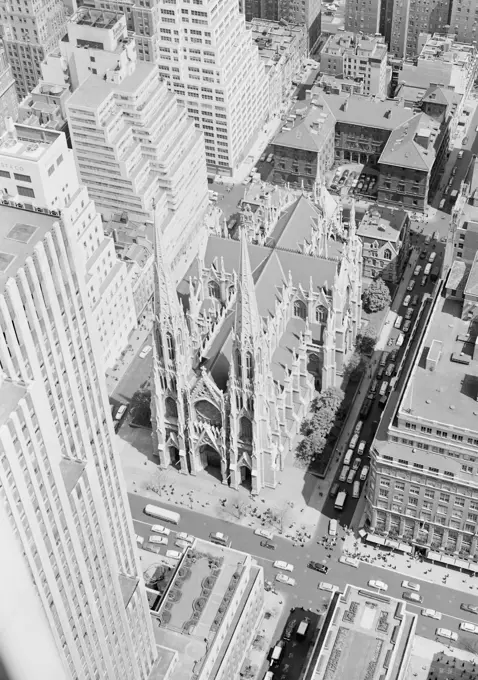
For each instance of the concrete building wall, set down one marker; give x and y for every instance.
(361, 15)
(8, 94)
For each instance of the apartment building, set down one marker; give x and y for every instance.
(303, 148)
(464, 20)
(385, 236)
(8, 93)
(283, 49)
(410, 18)
(30, 31)
(65, 522)
(362, 16)
(226, 606)
(38, 174)
(423, 486)
(463, 232)
(307, 13)
(357, 58)
(45, 106)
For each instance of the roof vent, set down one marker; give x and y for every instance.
(451, 407)
(427, 401)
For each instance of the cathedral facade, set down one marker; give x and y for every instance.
(259, 324)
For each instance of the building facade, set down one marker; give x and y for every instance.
(229, 387)
(423, 486)
(8, 93)
(63, 498)
(362, 16)
(308, 14)
(39, 174)
(45, 106)
(385, 236)
(355, 58)
(29, 33)
(410, 19)
(464, 21)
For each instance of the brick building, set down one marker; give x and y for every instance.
(385, 236)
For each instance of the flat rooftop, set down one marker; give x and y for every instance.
(363, 636)
(447, 394)
(20, 231)
(28, 143)
(190, 617)
(383, 224)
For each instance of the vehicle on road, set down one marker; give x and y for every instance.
(183, 536)
(270, 158)
(353, 441)
(152, 547)
(468, 627)
(139, 540)
(374, 385)
(393, 355)
(366, 407)
(334, 490)
(160, 540)
(411, 284)
(182, 544)
(471, 608)
(446, 633)
(263, 158)
(381, 370)
(302, 628)
(454, 195)
(398, 321)
(361, 447)
(434, 274)
(390, 369)
(279, 564)
(408, 314)
(407, 326)
(343, 473)
(145, 351)
(412, 597)
(406, 301)
(277, 651)
(316, 566)
(428, 239)
(364, 473)
(351, 477)
(264, 533)
(326, 586)
(431, 613)
(423, 254)
(417, 270)
(423, 282)
(356, 464)
(400, 339)
(288, 580)
(162, 513)
(460, 153)
(411, 585)
(427, 269)
(349, 561)
(383, 359)
(441, 205)
(120, 412)
(356, 490)
(432, 257)
(383, 388)
(340, 500)
(380, 585)
(159, 529)
(268, 544)
(415, 300)
(348, 457)
(220, 538)
(358, 427)
(174, 554)
(333, 527)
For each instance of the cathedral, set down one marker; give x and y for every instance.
(262, 321)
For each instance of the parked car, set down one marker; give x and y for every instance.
(423, 254)
(444, 632)
(380, 372)
(411, 585)
(460, 153)
(364, 473)
(358, 427)
(356, 464)
(349, 561)
(417, 270)
(412, 597)
(334, 490)
(220, 538)
(174, 554)
(411, 284)
(406, 300)
(268, 544)
(380, 585)
(159, 529)
(343, 473)
(183, 536)
(120, 412)
(393, 355)
(279, 564)
(316, 566)
(145, 351)
(160, 540)
(408, 314)
(326, 586)
(406, 326)
(470, 608)
(270, 158)
(152, 547)
(288, 580)
(415, 299)
(353, 441)
(265, 533)
(431, 613)
(350, 476)
(468, 627)
(361, 447)
(182, 544)
(424, 281)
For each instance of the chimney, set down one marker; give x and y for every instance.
(422, 137)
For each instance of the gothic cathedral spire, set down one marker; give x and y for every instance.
(247, 323)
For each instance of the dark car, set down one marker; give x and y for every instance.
(471, 608)
(412, 597)
(268, 544)
(316, 566)
(334, 490)
(423, 254)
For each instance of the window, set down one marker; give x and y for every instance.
(300, 310)
(26, 191)
(383, 493)
(249, 366)
(245, 429)
(321, 314)
(4, 173)
(59, 159)
(414, 490)
(214, 290)
(387, 254)
(22, 178)
(51, 170)
(429, 493)
(442, 509)
(445, 497)
(171, 351)
(428, 430)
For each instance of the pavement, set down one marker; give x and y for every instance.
(117, 373)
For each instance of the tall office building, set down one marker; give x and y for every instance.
(30, 31)
(62, 496)
(38, 171)
(8, 94)
(210, 61)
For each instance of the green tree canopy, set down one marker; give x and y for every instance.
(376, 296)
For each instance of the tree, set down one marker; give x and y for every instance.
(310, 448)
(376, 296)
(154, 483)
(366, 340)
(140, 406)
(237, 507)
(331, 398)
(356, 367)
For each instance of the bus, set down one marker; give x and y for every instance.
(340, 500)
(277, 652)
(162, 513)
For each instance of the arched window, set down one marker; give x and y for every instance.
(171, 408)
(387, 254)
(245, 429)
(300, 310)
(214, 290)
(238, 362)
(171, 349)
(249, 366)
(320, 314)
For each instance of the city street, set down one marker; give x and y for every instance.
(305, 593)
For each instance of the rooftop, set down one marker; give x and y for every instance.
(275, 38)
(412, 144)
(96, 18)
(364, 637)
(366, 111)
(27, 143)
(445, 48)
(346, 43)
(457, 276)
(410, 93)
(444, 391)
(471, 286)
(383, 224)
(307, 126)
(10, 394)
(20, 231)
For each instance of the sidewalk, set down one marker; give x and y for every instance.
(267, 632)
(136, 340)
(264, 137)
(409, 566)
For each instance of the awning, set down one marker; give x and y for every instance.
(446, 559)
(473, 567)
(434, 556)
(462, 564)
(379, 540)
(405, 548)
(391, 544)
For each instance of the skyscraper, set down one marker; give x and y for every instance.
(30, 31)
(8, 94)
(61, 487)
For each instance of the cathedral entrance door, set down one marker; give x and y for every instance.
(174, 459)
(211, 461)
(246, 477)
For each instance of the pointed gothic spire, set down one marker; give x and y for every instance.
(166, 302)
(247, 324)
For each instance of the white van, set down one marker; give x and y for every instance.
(398, 321)
(348, 457)
(343, 473)
(356, 490)
(333, 527)
(427, 269)
(432, 257)
(158, 539)
(400, 340)
(442, 204)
